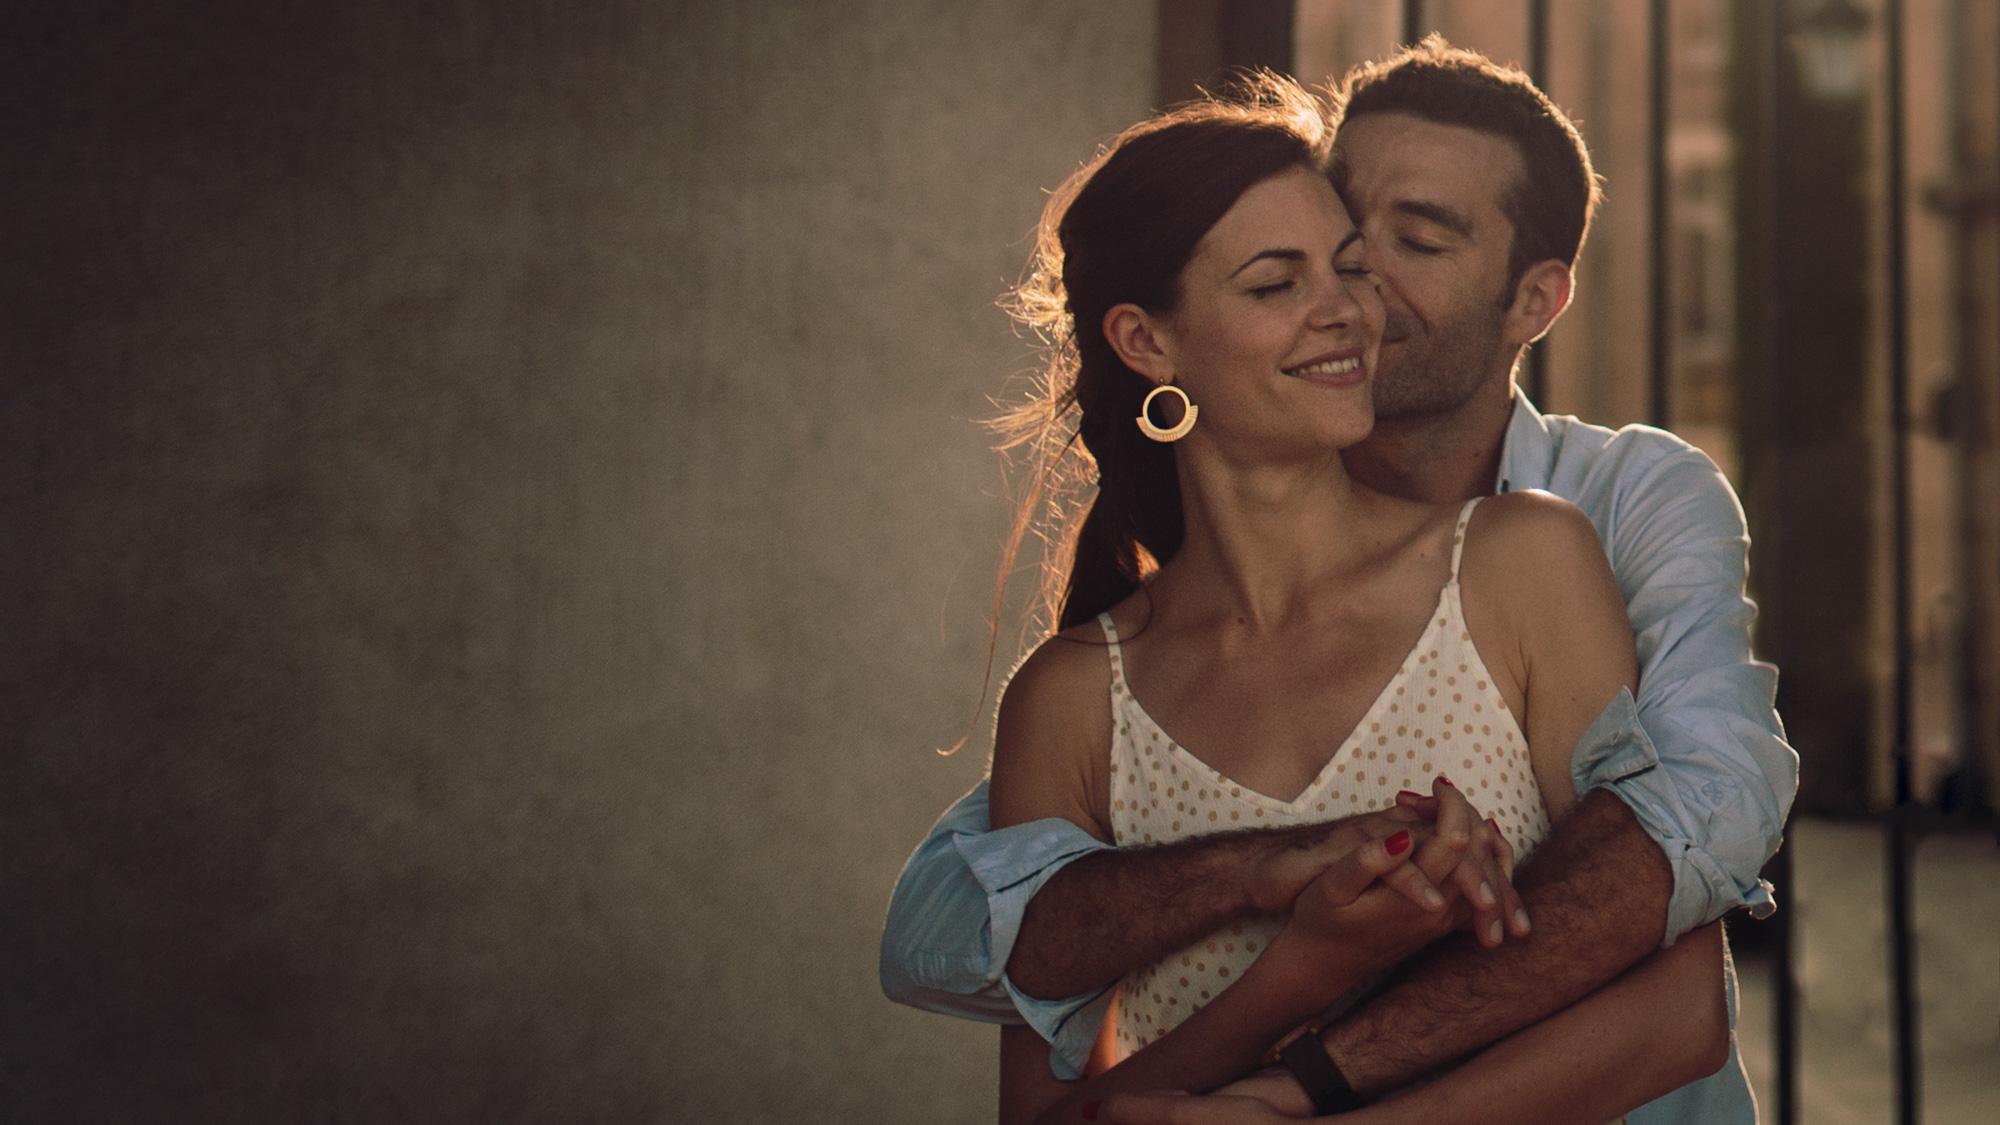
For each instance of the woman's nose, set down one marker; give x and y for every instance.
(1336, 303)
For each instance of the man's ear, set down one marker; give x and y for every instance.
(1539, 298)
(1141, 341)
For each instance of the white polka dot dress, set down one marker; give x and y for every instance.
(1439, 713)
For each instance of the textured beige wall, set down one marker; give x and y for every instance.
(491, 537)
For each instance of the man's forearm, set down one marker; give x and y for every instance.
(1109, 913)
(1593, 1060)
(1597, 889)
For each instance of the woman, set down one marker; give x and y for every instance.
(1234, 598)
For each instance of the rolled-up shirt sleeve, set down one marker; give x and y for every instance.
(1724, 778)
(956, 912)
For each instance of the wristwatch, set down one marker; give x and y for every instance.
(1302, 1053)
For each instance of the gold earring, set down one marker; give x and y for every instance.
(1180, 430)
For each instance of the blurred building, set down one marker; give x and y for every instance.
(1778, 291)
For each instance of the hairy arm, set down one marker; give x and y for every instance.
(1597, 1058)
(1589, 1062)
(1596, 888)
(1109, 913)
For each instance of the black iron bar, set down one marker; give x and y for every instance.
(1413, 20)
(1901, 940)
(1775, 112)
(1538, 69)
(1659, 401)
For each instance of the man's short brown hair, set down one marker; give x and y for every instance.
(1552, 208)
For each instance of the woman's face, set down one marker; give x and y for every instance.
(1278, 324)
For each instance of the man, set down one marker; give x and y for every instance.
(1474, 194)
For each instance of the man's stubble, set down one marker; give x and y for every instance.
(1437, 371)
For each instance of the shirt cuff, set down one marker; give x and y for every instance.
(1011, 864)
(1617, 754)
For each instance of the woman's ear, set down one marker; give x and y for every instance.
(1140, 341)
(1539, 298)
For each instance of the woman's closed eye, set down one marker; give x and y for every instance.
(1272, 289)
(1420, 247)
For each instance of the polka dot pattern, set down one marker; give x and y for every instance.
(1440, 713)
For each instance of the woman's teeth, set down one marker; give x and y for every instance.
(1328, 367)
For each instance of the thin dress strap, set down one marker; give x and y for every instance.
(1112, 649)
(1458, 534)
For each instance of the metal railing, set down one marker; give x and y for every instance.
(1776, 111)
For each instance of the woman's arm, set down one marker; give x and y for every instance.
(1540, 600)
(1051, 751)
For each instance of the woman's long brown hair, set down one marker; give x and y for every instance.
(1102, 497)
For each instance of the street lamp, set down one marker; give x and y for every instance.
(1827, 45)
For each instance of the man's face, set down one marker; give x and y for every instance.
(1427, 198)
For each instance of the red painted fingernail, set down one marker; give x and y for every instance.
(1397, 844)
(1090, 1110)
(1493, 824)
(1446, 780)
(1409, 793)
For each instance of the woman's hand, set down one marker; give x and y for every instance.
(1485, 874)
(1342, 923)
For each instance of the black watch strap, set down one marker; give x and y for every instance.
(1305, 1056)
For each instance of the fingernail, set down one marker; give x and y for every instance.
(1433, 899)
(1487, 897)
(1493, 931)
(1493, 824)
(1446, 780)
(1397, 844)
(1521, 919)
(1090, 1110)
(1409, 793)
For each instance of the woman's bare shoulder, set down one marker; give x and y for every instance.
(1533, 515)
(1054, 730)
(1531, 544)
(1533, 564)
(1062, 671)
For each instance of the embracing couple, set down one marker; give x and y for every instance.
(1344, 631)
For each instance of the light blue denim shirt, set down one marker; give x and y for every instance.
(1700, 756)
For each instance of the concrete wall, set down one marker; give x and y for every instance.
(491, 537)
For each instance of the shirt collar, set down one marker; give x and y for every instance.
(1528, 456)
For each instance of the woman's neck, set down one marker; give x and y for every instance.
(1261, 538)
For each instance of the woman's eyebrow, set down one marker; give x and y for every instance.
(1285, 255)
(1449, 218)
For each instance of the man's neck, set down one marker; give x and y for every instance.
(1436, 458)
